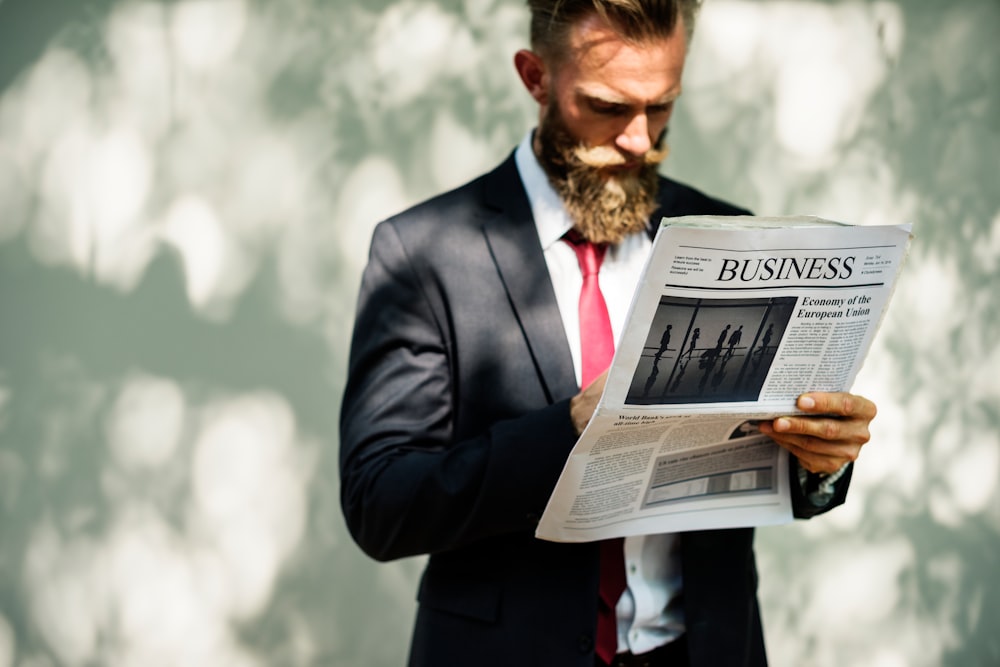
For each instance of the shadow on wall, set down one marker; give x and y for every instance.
(188, 191)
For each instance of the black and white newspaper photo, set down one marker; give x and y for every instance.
(733, 319)
(680, 365)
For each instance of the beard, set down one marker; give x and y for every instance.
(605, 202)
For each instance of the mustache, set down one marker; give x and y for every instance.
(602, 157)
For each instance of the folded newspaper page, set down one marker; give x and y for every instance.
(733, 319)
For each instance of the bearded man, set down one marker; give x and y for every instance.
(475, 366)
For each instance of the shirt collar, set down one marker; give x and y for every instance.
(551, 219)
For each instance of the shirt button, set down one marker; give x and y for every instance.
(632, 568)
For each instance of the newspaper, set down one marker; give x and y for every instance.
(733, 319)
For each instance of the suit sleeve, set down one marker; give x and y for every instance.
(408, 484)
(809, 498)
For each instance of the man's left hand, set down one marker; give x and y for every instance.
(830, 436)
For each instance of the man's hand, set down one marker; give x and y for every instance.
(582, 406)
(828, 438)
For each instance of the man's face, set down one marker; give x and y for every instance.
(603, 120)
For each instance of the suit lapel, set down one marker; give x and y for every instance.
(513, 242)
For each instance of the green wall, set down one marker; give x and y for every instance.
(186, 195)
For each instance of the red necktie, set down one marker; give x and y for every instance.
(597, 347)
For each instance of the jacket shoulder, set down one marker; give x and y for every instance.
(462, 205)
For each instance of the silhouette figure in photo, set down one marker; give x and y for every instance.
(708, 357)
(758, 355)
(664, 342)
(722, 339)
(695, 335)
(708, 360)
(734, 340)
(767, 339)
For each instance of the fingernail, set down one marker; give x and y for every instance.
(807, 403)
(781, 424)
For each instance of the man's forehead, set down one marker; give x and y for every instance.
(604, 65)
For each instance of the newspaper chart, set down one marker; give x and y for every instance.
(733, 319)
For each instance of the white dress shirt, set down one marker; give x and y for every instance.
(649, 612)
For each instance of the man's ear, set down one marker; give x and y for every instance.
(531, 68)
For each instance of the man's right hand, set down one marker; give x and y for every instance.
(582, 406)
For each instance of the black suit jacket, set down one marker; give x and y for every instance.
(454, 429)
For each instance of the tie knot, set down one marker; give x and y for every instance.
(588, 255)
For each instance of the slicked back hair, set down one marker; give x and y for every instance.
(635, 20)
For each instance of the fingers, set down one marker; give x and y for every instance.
(582, 406)
(814, 454)
(827, 429)
(840, 404)
(834, 417)
(830, 436)
(819, 462)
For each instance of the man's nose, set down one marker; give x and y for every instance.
(634, 138)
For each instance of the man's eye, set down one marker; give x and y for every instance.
(659, 109)
(608, 108)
